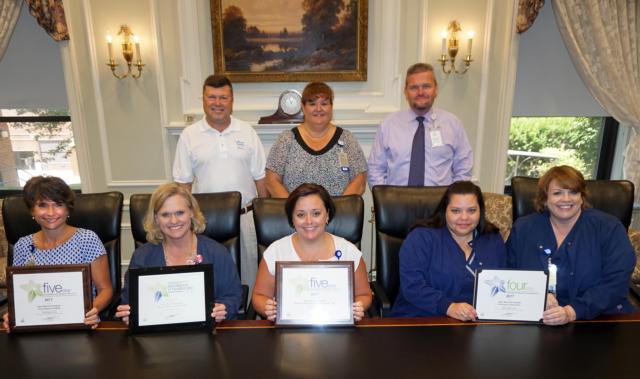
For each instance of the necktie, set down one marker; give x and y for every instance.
(416, 165)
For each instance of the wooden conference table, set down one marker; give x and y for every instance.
(393, 348)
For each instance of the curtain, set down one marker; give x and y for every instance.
(9, 14)
(602, 40)
(527, 13)
(50, 15)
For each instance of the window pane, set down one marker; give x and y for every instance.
(31, 146)
(538, 143)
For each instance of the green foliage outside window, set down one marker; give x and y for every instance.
(573, 141)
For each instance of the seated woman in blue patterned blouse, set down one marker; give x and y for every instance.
(51, 201)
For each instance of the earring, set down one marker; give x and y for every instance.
(33, 218)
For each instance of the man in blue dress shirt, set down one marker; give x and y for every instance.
(446, 150)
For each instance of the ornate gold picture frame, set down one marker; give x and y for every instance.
(290, 41)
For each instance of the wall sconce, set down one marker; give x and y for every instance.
(450, 46)
(127, 53)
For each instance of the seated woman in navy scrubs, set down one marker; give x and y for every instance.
(172, 223)
(439, 257)
(590, 249)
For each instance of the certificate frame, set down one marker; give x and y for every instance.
(288, 316)
(499, 295)
(47, 277)
(200, 276)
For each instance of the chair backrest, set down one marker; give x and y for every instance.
(221, 211)
(611, 196)
(271, 220)
(397, 208)
(98, 212)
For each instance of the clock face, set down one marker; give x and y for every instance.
(290, 102)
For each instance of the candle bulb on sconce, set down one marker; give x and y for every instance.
(110, 46)
(136, 40)
(127, 53)
(451, 46)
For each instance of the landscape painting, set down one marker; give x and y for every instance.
(290, 40)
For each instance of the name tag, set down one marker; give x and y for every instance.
(553, 275)
(436, 138)
(344, 161)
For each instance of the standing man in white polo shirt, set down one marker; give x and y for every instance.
(221, 153)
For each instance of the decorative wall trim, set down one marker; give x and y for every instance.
(423, 43)
(484, 89)
(97, 92)
(363, 130)
(158, 48)
(192, 79)
(135, 183)
(68, 54)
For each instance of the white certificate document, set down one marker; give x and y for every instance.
(48, 298)
(171, 298)
(315, 294)
(510, 295)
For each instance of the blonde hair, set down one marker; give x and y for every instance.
(159, 196)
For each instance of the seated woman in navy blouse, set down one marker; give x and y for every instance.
(590, 250)
(51, 203)
(439, 257)
(172, 222)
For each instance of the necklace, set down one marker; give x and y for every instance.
(192, 259)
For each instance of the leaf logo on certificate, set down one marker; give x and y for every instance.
(32, 289)
(510, 295)
(159, 291)
(497, 285)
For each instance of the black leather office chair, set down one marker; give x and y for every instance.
(611, 196)
(397, 208)
(221, 211)
(271, 220)
(98, 212)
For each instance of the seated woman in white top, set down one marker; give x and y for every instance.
(309, 209)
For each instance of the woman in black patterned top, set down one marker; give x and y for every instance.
(316, 151)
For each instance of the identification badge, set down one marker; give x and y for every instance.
(553, 273)
(344, 161)
(436, 138)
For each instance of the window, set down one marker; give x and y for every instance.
(538, 143)
(36, 142)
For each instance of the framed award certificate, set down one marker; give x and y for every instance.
(314, 293)
(171, 298)
(48, 297)
(510, 295)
